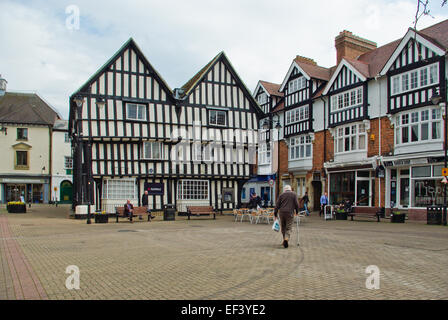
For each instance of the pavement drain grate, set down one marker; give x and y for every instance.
(197, 226)
(127, 230)
(27, 225)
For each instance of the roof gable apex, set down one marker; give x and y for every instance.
(203, 73)
(343, 63)
(130, 44)
(411, 33)
(288, 74)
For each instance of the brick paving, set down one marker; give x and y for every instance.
(220, 259)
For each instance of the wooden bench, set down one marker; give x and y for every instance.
(200, 211)
(138, 211)
(366, 212)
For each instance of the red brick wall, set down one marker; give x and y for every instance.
(387, 137)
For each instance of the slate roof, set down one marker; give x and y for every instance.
(26, 108)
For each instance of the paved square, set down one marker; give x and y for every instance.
(217, 259)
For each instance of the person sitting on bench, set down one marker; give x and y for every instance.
(128, 209)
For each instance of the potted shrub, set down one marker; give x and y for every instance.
(101, 217)
(397, 217)
(16, 207)
(341, 214)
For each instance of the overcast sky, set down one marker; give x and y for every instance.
(39, 53)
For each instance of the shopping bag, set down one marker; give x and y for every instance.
(276, 225)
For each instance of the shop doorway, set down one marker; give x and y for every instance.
(66, 192)
(404, 192)
(317, 193)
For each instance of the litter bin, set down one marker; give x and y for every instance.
(169, 212)
(434, 215)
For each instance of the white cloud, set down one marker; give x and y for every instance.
(178, 37)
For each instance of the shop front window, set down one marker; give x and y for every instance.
(342, 187)
(427, 193)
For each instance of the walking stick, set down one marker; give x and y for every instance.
(298, 221)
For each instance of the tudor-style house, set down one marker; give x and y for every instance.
(191, 146)
(26, 123)
(303, 81)
(268, 97)
(386, 136)
(415, 72)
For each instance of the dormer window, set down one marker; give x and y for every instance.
(298, 114)
(262, 98)
(296, 84)
(346, 99)
(415, 79)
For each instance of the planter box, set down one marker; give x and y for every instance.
(101, 218)
(397, 218)
(16, 208)
(341, 215)
(434, 218)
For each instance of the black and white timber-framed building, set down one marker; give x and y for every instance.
(189, 146)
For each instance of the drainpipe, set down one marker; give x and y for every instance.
(379, 143)
(325, 141)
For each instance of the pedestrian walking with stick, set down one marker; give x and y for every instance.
(286, 205)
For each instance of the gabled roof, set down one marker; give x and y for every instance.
(128, 44)
(272, 89)
(308, 68)
(360, 69)
(26, 108)
(191, 84)
(421, 37)
(280, 106)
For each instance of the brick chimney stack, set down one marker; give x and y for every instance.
(351, 46)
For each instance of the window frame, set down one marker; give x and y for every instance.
(424, 78)
(225, 112)
(354, 134)
(161, 150)
(118, 194)
(429, 118)
(299, 144)
(22, 138)
(298, 114)
(139, 106)
(186, 185)
(346, 99)
(68, 159)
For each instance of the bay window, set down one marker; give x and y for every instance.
(418, 126)
(265, 153)
(300, 147)
(350, 138)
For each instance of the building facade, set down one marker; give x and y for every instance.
(369, 129)
(62, 164)
(130, 132)
(26, 123)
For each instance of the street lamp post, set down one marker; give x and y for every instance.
(267, 125)
(440, 100)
